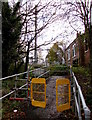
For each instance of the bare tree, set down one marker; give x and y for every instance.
(35, 18)
(79, 11)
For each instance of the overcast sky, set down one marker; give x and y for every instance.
(58, 27)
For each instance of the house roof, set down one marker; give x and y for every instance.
(71, 44)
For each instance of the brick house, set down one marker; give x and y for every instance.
(73, 52)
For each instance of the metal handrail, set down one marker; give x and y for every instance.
(17, 74)
(43, 74)
(13, 91)
(75, 86)
(22, 85)
(80, 97)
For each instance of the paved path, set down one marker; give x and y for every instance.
(50, 111)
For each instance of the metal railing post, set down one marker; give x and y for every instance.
(15, 85)
(87, 113)
(75, 96)
(79, 106)
(35, 73)
(28, 82)
(40, 71)
(72, 85)
(80, 98)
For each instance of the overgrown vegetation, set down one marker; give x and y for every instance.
(83, 77)
(7, 105)
(55, 54)
(12, 50)
(59, 70)
(82, 70)
(8, 110)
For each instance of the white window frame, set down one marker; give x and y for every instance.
(68, 52)
(74, 51)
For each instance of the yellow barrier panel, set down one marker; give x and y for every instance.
(38, 92)
(62, 94)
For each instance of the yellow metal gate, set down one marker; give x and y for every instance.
(38, 93)
(62, 94)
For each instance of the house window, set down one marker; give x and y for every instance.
(74, 50)
(68, 54)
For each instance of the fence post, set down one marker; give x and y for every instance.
(74, 97)
(80, 97)
(87, 113)
(28, 83)
(79, 106)
(71, 82)
(15, 85)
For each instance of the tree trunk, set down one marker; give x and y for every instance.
(0, 41)
(35, 52)
(91, 64)
(27, 57)
(90, 48)
(15, 71)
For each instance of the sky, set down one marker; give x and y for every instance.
(53, 31)
(60, 26)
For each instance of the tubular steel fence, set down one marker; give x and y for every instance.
(80, 104)
(79, 100)
(28, 82)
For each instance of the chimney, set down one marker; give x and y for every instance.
(78, 34)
